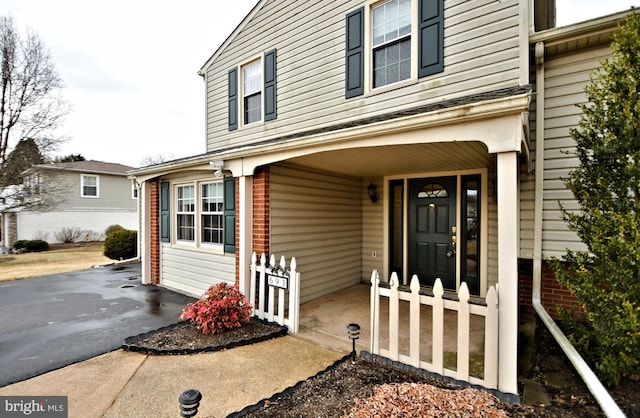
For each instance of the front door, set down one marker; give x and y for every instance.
(432, 224)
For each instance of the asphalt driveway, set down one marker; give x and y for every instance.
(52, 321)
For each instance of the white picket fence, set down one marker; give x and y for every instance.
(275, 283)
(438, 305)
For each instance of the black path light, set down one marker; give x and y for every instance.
(354, 334)
(189, 403)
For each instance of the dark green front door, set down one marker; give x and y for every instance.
(432, 222)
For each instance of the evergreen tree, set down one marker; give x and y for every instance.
(25, 154)
(606, 278)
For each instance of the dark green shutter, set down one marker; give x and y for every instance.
(165, 216)
(233, 99)
(270, 105)
(354, 77)
(229, 215)
(430, 37)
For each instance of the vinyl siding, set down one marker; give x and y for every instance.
(565, 79)
(480, 54)
(193, 272)
(317, 218)
(114, 193)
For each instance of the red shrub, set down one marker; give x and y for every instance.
(222, 307)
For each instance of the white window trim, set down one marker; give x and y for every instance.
(197, 241)
(97, 177)
(368, 47)
(134, 191)
(201, 213)
(178, 212)
(240, 79)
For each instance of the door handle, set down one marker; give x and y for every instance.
(454, 238)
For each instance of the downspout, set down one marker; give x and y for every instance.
(604, 399)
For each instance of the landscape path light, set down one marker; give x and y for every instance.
(354, 334)
(189, 403)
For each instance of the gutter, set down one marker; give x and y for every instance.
(599, 392)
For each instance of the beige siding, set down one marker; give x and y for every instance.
(317, 218)
(492, 231)
(565, 79)
(480, 51)
(193, 272)
(114, 193)
(372, 230)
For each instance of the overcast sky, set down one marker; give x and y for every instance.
(130, 67)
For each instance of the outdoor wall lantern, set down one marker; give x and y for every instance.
(217, 165)
(354, 333)
(372, 192)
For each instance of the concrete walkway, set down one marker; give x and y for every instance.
(127, 384)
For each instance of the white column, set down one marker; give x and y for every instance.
(508, 271)
(245, 213)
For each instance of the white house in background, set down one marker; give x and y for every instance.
(88, 195)
(397, 135)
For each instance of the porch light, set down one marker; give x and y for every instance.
(217, 165)
(354, 333)
(372, 192)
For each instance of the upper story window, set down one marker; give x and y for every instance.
(391, 42)
(32, 185)
(89, 185)
(252, 91)
(134, 190)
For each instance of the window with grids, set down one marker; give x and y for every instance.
(89, 186)
(212, 213)
(185, 213)
(391, 34)
(252, 92)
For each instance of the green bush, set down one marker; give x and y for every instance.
(121, 245)
(37, 245)
(113, 228)
(20, 244)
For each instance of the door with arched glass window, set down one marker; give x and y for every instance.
(432, 230)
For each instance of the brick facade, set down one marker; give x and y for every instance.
(553, 295)
(154, 231)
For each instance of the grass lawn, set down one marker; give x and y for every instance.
(22, 266)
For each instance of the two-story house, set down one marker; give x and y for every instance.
(84, 195)
(395, 135)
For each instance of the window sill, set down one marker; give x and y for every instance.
(391, 87)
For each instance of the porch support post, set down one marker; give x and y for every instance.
(244, 244)
(144, 230)
(507, 184)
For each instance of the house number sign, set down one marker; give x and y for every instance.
(277, 281)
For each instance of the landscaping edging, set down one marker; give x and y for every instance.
(131, 343)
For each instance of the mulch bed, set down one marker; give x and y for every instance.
(377, 387)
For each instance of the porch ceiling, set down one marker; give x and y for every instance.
(400, 159)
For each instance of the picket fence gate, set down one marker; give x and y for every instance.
(439, 305)
(275, 282)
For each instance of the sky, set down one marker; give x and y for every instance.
(130, 67)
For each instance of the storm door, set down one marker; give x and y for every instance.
(432, 230)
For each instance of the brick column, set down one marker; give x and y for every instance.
(261, 212)
(154, 232)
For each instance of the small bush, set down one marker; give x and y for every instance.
(69, 234)
(20, 244)
(121, 245)
(36, 245)
(221, 308)
(92, 236)
(112, 228)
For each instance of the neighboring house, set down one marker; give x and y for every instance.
(88, 195)
(394, 135)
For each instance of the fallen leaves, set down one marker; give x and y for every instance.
(424, 400)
